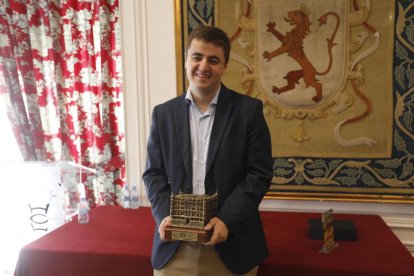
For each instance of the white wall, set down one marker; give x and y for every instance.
(148, 52)
(150, 78)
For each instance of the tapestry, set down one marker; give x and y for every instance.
(336, 79)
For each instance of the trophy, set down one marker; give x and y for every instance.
(328, 232)
(190, 213)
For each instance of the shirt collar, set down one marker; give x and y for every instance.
(189, 97)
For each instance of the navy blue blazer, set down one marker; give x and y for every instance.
(239, 168)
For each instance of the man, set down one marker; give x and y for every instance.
(209, 140)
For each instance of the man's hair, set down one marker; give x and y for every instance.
(212, 35)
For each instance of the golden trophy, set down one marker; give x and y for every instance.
(190, 213)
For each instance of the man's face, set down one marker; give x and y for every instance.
(205, 64)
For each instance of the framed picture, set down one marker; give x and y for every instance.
(337, 83)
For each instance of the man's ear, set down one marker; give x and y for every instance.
(225, 68)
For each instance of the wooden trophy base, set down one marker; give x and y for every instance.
(187, 234)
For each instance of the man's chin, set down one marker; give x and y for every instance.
(201, 88)
(205, 87)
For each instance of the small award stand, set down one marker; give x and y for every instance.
(328, 232)
(190, 214)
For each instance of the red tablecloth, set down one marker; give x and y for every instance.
(118, 242)
(115, 242)
(377, 252)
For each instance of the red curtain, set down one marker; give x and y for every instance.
(60, 84)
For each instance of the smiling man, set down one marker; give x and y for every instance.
(210, 140)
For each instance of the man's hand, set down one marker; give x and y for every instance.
(220, 231)
(164, 223)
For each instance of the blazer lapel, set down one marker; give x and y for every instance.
(223, 111)
(183, 133)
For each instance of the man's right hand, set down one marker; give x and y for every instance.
(164, 223)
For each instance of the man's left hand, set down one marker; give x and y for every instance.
(220, 231)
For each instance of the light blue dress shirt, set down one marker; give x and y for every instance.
(200, 130)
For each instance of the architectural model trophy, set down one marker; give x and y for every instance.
(190, 214)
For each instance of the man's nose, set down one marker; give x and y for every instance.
(203, 64)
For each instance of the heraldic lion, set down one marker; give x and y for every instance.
(292, 44)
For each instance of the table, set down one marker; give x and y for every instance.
(377, 252)
(118, 242)
(115, 242)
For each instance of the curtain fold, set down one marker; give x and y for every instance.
(60, 84)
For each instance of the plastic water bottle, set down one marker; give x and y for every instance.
(83, 206)
(126, 198)
(83, 214)
(134, 197)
